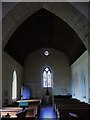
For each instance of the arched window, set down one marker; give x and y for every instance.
(47, 78)
(14, 86)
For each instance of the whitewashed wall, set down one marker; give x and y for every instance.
(80, 82)
(57, 62)
(8, 66)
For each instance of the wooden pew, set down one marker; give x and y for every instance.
(11, 110)
(32, 110)
(33, 103)
(71, 109)
(30, 113)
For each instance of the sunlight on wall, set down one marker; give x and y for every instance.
(80, 78)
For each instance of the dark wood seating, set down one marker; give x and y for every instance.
(21, 114)
(72, 109)
(31, 111)
(31, 118)
(27, 114)
(10, 110)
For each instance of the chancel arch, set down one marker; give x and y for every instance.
(63, 10)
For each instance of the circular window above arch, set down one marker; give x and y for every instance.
(46, 53)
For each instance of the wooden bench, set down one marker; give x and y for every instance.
(13, 112)
(65, 108)
(32, 109)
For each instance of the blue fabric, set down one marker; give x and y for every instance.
(22, 104)
(26, 92)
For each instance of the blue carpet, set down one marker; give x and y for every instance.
(47, 112)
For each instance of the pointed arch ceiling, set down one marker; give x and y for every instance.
(44, 29)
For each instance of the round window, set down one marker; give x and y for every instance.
(46, 53)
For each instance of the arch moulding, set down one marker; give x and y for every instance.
(14, 18)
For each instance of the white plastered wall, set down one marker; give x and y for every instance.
(59, 65)
(8, 66)
(80, 73)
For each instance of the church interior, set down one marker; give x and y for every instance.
(45, 61)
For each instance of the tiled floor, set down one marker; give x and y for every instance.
(47, 112)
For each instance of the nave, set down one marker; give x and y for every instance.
(63, 108)
(45, 45)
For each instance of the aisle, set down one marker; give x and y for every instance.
(47, 112)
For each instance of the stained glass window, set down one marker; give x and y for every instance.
(47, 78)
